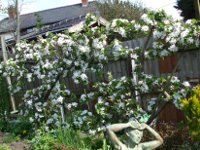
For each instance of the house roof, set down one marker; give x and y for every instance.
(49, 16)
(73, 25)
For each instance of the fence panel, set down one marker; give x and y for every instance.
(188, 67)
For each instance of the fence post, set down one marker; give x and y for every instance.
(8, 79)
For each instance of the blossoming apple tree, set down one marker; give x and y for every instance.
(73, 55)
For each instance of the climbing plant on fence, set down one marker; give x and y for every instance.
(73, 55)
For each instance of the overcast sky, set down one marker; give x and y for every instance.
(37, 5)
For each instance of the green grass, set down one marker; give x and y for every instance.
(10, 138)
(4, 147)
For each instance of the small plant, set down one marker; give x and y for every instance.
(191, 107)
(106, 146)
(20, 128)
(10, 138)
(43, 140)
(4, 147)
(73, 139)
(67, 139)
(190, 146)
(3, 125)
(38, 21)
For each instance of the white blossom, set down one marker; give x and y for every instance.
(137, 26)
(60, 99)
(83, 76)
(173, 48)
(60, 41)
(145, 28)
(84, 49)
(186, 84)
(31, 119)
(122, 32)
(164, 53)
(29, 77)
(146, 19)
(98, 44)
(49, 121)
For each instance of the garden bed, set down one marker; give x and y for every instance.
(14, 145)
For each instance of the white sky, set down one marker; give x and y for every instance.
(37, 5)
(167, 5)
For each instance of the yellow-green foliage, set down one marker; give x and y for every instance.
(4, 147)
(191, 107)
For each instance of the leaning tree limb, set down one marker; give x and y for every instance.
(163, 105)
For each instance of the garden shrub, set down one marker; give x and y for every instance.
(71, 139)
(3, 125)
(20, 128)
(67, 139)
(4, 147)
(43, 141)
(10, 137)
(191, 107)
(194, 145)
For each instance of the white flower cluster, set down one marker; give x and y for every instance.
(117, 26)
(72, 105)
(90, 19)
(47, 60)
(78, 76)
(151, 104)
(99, 44)
(87, 97)
(120, 51)
(82, 118)
(169, 35)
(146, 19)
(143, 87)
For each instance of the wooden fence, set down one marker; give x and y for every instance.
(188, 64)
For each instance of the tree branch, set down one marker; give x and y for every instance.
(46, 96)
(163, 105)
